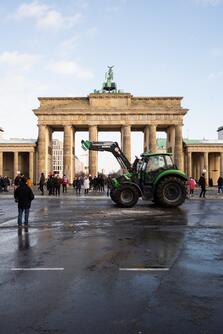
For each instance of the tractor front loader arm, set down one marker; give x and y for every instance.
(108, 146)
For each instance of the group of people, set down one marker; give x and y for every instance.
(88, 183)
(53, 184)
(202, 182)
(5, 182)
(191, 183)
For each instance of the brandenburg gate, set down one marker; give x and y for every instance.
(104, 111)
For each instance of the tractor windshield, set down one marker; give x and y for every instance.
(155, 162)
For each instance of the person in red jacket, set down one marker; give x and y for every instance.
(65, 183)
(191, 184)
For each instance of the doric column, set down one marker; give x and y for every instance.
(50, 149)
(31, 165)
(221, 164)
(16, 163)
(206, 166)
(189, 164)
(201, 163)
(126, 141)
(42, 151)
(146, 138)
(93, 155)
(178, 154)
(1, 163)
(68, 156)
(152, 138)
(171, 139)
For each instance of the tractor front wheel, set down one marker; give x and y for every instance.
(170, 192)
(113, 195)
(126, 196)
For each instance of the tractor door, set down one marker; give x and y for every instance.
(153, 165)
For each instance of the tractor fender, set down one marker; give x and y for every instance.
(134, 185)
(170, 172)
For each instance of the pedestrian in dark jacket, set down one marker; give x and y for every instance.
(78, 185)
(202, 183)
(57, 185)
(24, 196)
(41, 183)
(220, 184)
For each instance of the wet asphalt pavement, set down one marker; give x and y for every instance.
(86, 266)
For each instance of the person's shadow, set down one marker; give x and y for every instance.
(23, 239)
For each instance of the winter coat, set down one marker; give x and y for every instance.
(86, 184)
(42, 180)
(29, 182)
(78, 183)
(24, 196)
(192, 184)
(65, 180)
(220, 181)
(202, 181)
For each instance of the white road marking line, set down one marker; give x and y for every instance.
(144, 269)
(37, 269)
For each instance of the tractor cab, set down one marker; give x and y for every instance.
(151, 167)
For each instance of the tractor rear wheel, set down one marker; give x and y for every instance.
(171, 192)
(126, 196)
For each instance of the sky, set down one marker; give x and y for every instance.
(158, 47)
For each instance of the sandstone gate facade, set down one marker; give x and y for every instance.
(107, 112)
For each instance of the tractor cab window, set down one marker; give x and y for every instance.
(139, 166)
(169, 161)
(155, 162)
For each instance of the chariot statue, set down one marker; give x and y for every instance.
(109, 85)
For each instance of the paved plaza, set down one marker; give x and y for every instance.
(86, 266)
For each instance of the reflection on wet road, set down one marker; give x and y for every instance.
(85, 266)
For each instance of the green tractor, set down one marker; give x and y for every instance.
(152, 177)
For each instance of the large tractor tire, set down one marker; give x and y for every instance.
(126, 196)
(170, 192)
(113, 195)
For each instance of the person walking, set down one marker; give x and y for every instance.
(191, 185)
(74, 184)
(86, 185)
(220, 184)
(202, 183)
(41, 183)
(57, 185)
(78, 185)
(65, 183)
(23, 196)
(50, 185)
(109, 185)
(17, 180)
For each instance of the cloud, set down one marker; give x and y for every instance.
(46, 17)
(18, 98)
(70, 68)
(209, 2)
(14, 58)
